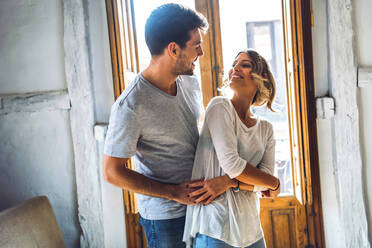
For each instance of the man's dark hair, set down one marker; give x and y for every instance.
(171, 23)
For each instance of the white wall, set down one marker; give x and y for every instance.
(31, 34)
(363, 33)
(331, 218)
(328, 170)
(100, 61)
(36, 156)
(36, 159)
(112, 197)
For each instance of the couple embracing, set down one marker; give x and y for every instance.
(195, 188)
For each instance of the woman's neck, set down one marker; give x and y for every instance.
(242, 106)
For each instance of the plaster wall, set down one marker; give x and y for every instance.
(341, 186)
(36, 159)
(103, 93)
(331, 212)
(363, 33)
(100, 60)
(31, 46)
(36, 155)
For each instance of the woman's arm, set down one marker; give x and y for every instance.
(267, 163)
(220, 121)
(254, 176)
(210, 189)
(207, 191)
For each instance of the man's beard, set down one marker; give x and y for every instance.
(181, 67)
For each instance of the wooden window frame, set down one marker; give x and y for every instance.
(314, 206)
(300, 20)
(125, 64)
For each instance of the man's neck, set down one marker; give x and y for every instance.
(160, 75)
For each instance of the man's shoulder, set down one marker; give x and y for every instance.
(189, 82)
(133, 89)
(134, 94)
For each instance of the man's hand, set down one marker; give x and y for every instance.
(181, 192)
(116, 173)
(206, 191)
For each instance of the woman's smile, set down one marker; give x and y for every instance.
(236, 76)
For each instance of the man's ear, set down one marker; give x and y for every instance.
(173, 49)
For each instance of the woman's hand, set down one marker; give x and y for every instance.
(210, 189)
(271, 193)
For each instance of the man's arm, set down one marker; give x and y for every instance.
(116, 173)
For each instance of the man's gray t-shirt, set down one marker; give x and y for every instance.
(161, 131)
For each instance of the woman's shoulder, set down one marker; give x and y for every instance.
(265, 123)
(220, 107)
(219, 100)
(266, 126)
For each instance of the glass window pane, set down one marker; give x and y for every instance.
(251, 24)
(262, 41)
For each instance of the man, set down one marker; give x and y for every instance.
(155, 120)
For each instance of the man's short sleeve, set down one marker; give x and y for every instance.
(123, 132)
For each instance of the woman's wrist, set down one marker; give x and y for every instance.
(237, 188)
(234, 183)
(277, 186)
(230, 183)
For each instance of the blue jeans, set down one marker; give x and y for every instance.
(164, 233)
(204, 241)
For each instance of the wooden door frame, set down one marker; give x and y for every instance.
(212, 80)
(314, 208)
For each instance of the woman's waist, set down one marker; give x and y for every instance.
(232, 202)
(232, 212)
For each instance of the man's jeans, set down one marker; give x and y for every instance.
(204, 241)
(164, 233)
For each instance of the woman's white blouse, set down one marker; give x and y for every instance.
(225, 146)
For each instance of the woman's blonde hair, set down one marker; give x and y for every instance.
(264, 79)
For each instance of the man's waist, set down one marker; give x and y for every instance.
(154, 208)
(172, 176)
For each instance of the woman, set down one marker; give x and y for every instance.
(235, 154)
